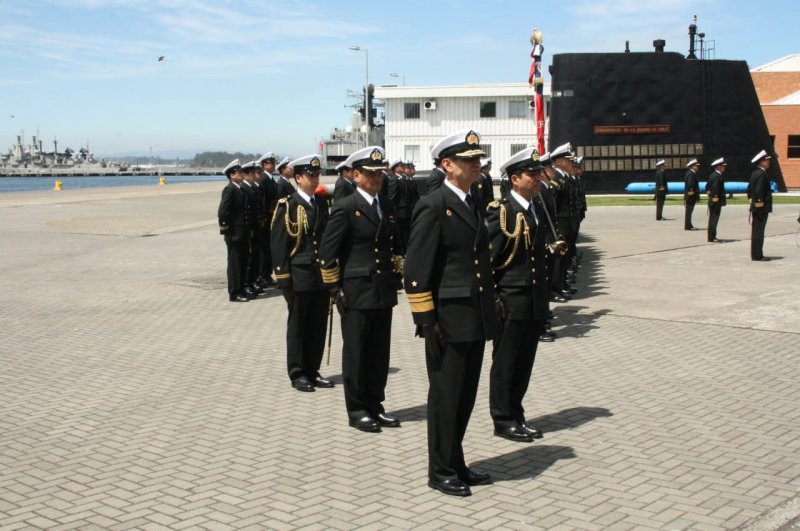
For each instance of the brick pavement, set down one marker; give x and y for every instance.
(133, 395)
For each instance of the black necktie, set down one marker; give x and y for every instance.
(375, 208)
(470, 202)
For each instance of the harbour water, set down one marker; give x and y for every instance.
(20, 184)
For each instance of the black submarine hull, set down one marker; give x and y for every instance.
(624, 111)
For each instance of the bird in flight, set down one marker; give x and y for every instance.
(161, 58)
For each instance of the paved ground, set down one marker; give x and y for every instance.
(133, 395)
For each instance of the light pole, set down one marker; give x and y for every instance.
(402, 76)
(366, 89)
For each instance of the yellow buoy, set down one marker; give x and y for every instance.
(57, 185)
(162, 181)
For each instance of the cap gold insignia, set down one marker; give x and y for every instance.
(472, 138)
(376, 155)
(535, 156)
(315, 162)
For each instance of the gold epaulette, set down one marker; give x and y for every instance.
(283, 200)
(330, 275)
(420, 302)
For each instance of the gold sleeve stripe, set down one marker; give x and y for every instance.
(330, 277)
(425, 295)
(281, 277)
(421, 307)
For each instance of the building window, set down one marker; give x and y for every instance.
(794, 147)
(516, 148)
(412, 153)
(411, 110)
(517, 109)
(488, 109)
(547, 108)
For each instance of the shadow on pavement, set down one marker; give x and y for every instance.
(571, 323)
(525, 463)
(569, 418)
(412, 414)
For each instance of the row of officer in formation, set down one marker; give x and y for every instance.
(472, 273)
(759, 195)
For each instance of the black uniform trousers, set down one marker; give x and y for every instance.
(453, 385)
(512, 363)
(713, 218)
(687, 218)
(305, 333)
(366, 335)
(265, 255)
(759, 223)
(254, 255)
(660, 207)
(237, 264)
(561, 263)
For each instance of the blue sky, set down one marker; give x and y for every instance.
(273, 75)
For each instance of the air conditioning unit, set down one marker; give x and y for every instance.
(532, 104)
(430, 105)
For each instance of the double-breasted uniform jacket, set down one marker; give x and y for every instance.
(407, 197)
(546, 199)
(284, 188)
(269, 188)
(357, 253)
(518, 257)
(448, 274)
(483, 190)
(253, 207)
(661, 184)
(233, 223)
(759, 192)
(295, 237)
(715, 188)
(691, 188)
(435, 180)
(343, 188)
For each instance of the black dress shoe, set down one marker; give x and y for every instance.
(535, 432)
(559, 298)
(387, 421)
(249, 293)
(319, 381)
(365, 423)
(514, 433)
(570, 291)
(303, 384)
(547, 337)
(451, 487)
(565, 293)
(238, 298)
(549, 314)
(474, 478)
(762, 259)
(714, 240)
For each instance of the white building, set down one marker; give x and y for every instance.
(418, 117)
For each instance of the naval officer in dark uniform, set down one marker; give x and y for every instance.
(760, 195)
(518, 228)
(448, 281)
(356, 257)
(233, 226)
(285, 175)
(484, 187)
(297, 228)
(691, 192)
(436, 177)
(254, 212)
(715, 189)
(660, 194)
(270, 190)
(344, 183)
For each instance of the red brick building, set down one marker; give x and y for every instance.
(778, 87)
